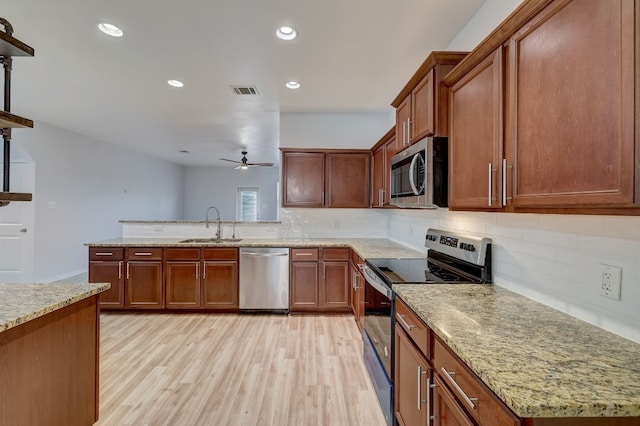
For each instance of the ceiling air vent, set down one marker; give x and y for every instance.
(245, 90)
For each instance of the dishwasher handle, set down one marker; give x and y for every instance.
(263, 254)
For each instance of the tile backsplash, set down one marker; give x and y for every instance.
(554, 259)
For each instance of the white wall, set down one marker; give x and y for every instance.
(486, 19)
(217, 186)
(334, 130)
(93, 185)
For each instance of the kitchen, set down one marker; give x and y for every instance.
(533, 250)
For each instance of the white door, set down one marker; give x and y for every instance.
(16, 228)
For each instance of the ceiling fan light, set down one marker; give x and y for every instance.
(244, 166)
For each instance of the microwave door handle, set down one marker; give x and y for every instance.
(412, 168)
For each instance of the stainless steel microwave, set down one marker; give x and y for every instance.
(419, 175)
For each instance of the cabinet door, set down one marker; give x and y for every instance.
(571, 139)
(476, 136)
(303, 179)
(144, 287)
(182, 285)
(348, 180)
(304, 286)
(412, 383)
(335, 289)
(403, 123)
(220, 285)
(378, 181)
(423, 108)
(446, 410)
(109, 272)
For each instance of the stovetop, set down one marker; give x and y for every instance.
(416, 271)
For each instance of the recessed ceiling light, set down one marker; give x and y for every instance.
(293, 85)
(286, 33)
(110, 29)
(175, 83)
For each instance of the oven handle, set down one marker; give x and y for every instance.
(375, 282)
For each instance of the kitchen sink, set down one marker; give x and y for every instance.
(211, 240)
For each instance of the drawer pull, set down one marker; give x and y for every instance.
(104, 253)
(143, 253)
(449, 376)
(304, 254)
(120, 270)
(420, 400)
(400, 318)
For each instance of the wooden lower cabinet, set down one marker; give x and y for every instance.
(319, 280)
(220, 285)
(446, 410)
(144, 286)
(413, 376)
(182, 285)
(106, 265)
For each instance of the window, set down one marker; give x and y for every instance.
(248, 202)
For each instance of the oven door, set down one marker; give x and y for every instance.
(379, 318)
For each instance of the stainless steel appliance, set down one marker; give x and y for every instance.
(264, 279)
(452, 258)
(419, 174)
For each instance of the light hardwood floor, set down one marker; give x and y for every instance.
(227, 369)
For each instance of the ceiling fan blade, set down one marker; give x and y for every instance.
(260, 164)
(231, 161)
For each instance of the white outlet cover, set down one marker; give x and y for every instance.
(610, 281)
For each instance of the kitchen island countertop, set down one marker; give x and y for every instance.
(20, 303)
(365, 247)
(539, 361)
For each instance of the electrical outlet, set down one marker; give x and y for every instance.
(611, 281)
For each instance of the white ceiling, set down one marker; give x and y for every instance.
(350, 56)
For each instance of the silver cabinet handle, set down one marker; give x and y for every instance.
(104, 253)
(142, 253)
(267, 254)
(120, 270)
(128, 271)
(197, 270)
(409, 131)
(204, 271)
(505, 166)
(381, 197)
(449, 376)
(304, 254)
(407, 325)
(490, 184)
(427, 400)
(419, 388)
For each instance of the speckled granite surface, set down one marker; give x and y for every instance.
(539, 361)
(253, 222)
(20, 303)
(365, 247)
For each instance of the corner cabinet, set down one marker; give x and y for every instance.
(321, 178)
(549, 129)
(421, 106)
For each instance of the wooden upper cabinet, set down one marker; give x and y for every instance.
(476, 136)
(572, 85)
(348, 179)
(303, 179)
(422, 105)
(381, 167)
(563, 72)
(326, 178)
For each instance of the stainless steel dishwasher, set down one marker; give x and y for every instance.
(264, 279)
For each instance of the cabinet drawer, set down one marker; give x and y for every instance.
(144, 253)
(415, 328)
(335, 254)
(106, 253)
(478, 400)
(172, 253)
(220, 254)
(298, 254)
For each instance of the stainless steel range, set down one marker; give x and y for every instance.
(452, 258)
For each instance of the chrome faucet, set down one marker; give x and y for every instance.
(218, 235)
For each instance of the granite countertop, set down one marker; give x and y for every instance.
(539, 361)
(365, 247)
(20, 303)
(240, 222)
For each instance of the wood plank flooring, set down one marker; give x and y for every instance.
(227, 369)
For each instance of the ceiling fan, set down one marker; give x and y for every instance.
(244, 164)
